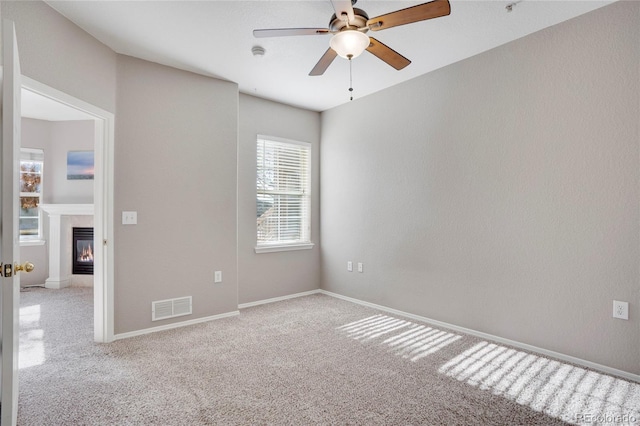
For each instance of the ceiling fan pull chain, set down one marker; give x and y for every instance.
(350, 79)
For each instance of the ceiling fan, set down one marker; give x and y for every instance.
(349, 26)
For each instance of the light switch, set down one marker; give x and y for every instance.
(129, 218)
(217, 277)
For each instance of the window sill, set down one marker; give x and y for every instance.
(27, 243)
(283, 247)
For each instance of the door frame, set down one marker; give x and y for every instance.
(103, 205)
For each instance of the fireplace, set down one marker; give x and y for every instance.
(82, 251)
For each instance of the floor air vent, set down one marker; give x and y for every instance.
(163, 309)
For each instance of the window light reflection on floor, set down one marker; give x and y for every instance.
(31, 338)
(404, 338)
(569, 393)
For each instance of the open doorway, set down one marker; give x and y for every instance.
(53, 135)
(83, 204)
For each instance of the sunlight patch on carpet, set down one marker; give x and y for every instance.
(404, 338)
(31, 338)
(560, 390)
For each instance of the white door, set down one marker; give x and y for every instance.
(9, 233)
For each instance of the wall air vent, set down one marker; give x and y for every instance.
(170, 308)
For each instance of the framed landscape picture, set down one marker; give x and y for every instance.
(79, 165)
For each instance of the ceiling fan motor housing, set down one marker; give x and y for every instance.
(360, 19)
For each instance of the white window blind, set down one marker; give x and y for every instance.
(283, 191)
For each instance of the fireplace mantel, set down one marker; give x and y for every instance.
(59, 258)
(67, 209)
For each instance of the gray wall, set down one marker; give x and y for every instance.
(57, 53)
(175, 164)
(56, 138)
(35, 134)
(67, 136)
(267, 275)
(40, 258)
(499, 193)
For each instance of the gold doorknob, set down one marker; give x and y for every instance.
(26, 267)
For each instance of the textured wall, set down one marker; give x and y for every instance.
(175, 164)
(266, 275)
(40, 258)
(499, 193)
(56, 138)
(36, 134)
(68, 136)
(58, 53)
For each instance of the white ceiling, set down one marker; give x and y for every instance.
(215, 38)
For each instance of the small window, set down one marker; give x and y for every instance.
(283, 192)
(31, 173)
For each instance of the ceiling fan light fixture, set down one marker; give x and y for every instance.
(349, 43)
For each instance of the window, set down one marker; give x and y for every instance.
(283, 194)
(31, 167)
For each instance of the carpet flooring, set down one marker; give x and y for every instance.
(313, 360)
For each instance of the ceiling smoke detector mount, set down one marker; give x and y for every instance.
(511, 5)
(258, 51)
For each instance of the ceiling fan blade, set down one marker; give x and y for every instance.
(421, 12)
(324, 62)
(387, 54)
(343, 6)
(284, 32)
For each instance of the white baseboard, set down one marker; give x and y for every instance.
(527, 347)
(174, 325)
(210, 318)
(277, 299)
(541, 351)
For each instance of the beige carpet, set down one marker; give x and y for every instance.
(311, 360)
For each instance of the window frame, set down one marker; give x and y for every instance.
(286, 245)
(38, 239)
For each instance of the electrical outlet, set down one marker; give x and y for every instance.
(217, 277)
(350, 266)
(620, 310)
(360, 267)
